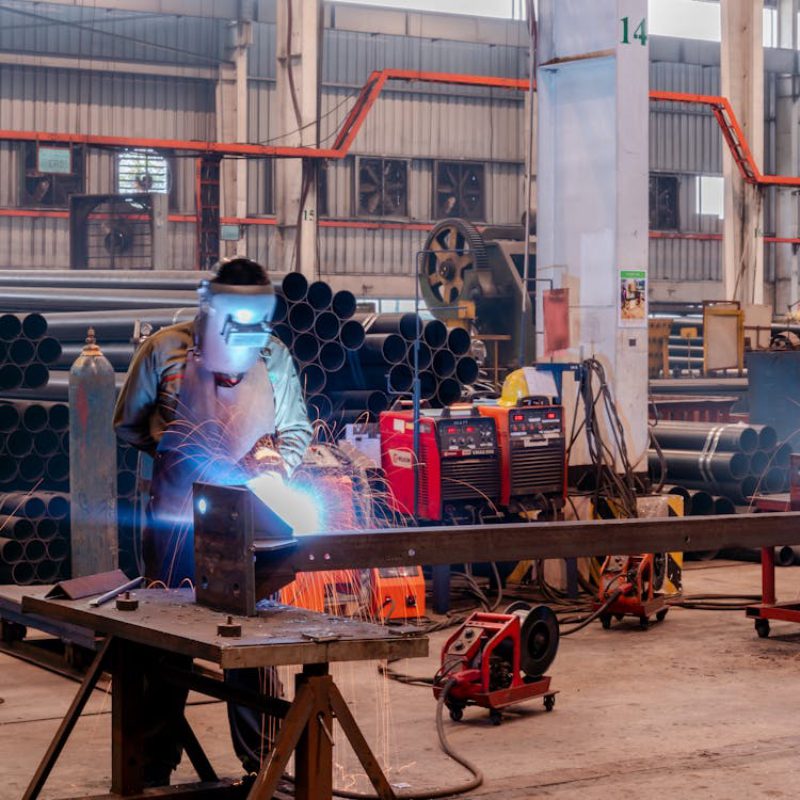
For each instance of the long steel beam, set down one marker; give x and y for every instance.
(445, 545)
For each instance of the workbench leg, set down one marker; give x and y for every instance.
(289, 735)
(441, 588)
(67, 724)
(768, 596)
(127, 719)
(359, 744)
(196, 753)
(314, 754)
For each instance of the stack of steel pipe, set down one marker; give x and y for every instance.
(317, 326)
(34, 479)
(732, 461)
(26, 351)
(399, 346)
(34, 537)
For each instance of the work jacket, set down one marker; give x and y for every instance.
(169, 409)
(148, 401)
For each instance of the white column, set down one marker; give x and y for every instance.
(787, 23)
(592, 182)
(232, 111)
(299, 47)
(786, 207)
(742, 62)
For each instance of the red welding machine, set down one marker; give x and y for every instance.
(498, 660)
(458, 461)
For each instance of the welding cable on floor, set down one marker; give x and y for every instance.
(716, 602)
(593, 616)
(428, 794)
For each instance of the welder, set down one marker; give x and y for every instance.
(216, 400)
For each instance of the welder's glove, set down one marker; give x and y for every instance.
(265, 458)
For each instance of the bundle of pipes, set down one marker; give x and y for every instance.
(34, 445)
(398, 346)
(317, 326)
(34, 479)
(733, 461)
(26, 351)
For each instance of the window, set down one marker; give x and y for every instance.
(382, 187)
(663, 203)
(143, 172)
(51, 173)
(459, 190)
(710, 195)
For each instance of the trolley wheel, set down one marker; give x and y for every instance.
(605, 621)
(619, 617)
(762, 628)
(456, 713)
(549, 702)
(495, 717)
(661, 615)
(644, 623)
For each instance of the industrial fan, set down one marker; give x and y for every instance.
(382, 187)
(118, 231)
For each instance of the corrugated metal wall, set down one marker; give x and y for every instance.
(409, 121)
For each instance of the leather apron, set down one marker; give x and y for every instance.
(213, 427)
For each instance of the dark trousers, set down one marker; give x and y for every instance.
(252, 732)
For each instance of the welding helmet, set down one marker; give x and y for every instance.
(233, 325)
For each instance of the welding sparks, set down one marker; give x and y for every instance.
(298, 507)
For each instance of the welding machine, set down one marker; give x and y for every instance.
(498, 660)
(459, 461)
(532, 452)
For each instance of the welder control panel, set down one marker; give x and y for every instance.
(535, 426)
(467, 436)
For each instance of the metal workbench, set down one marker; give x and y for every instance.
(171, 622)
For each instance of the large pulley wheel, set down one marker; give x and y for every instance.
(453, 248)
(538, 641)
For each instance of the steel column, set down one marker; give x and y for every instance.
(593, 187)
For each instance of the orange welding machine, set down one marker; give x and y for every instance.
(630, 586)
(532, 453)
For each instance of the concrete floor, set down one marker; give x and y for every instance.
(696, 707)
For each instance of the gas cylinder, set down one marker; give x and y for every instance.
(93, 462)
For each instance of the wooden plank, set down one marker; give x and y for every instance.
(313, 759)
(290, 732)
(571, 539)
(280, 635)
(360, 747)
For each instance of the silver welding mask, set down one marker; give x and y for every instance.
(233, 325)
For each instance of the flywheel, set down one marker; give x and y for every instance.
(453, 248)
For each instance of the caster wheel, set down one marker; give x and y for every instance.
(495, 717)
(619, 617)
(644, 623)
(605, 621)
(661, 615)
(456, 713)
(762, 628)
(549, 702)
